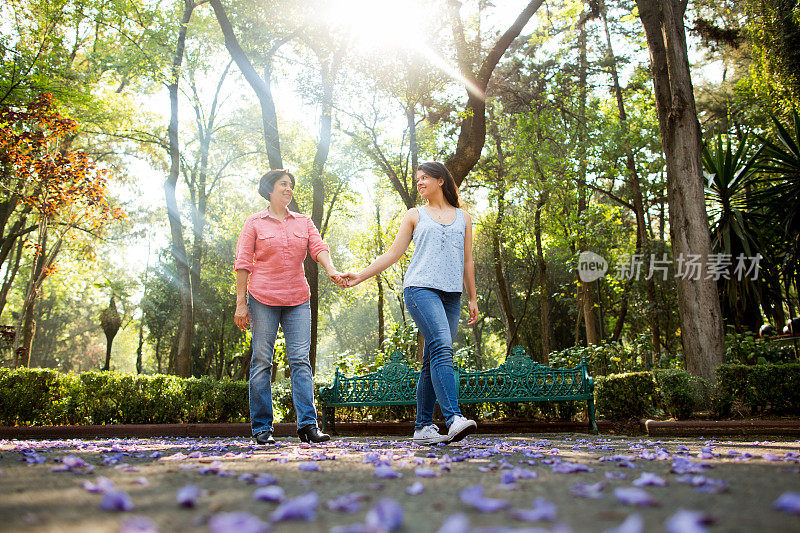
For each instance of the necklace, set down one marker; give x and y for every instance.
(440, 216)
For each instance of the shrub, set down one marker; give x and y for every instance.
(608, 358)
(745, 348)
(624, 396)
(758, 388)
(45, 397)
(679, 393)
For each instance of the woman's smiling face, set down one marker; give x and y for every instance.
(282, 191)
(427, 185)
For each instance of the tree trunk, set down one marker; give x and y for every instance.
(472, 133)
(544, 305)
(11, 274)
(638, 205)
(378, 278)
(585, 292)
(506, 309)
(182, 362)
(261, 86)
(698, 303)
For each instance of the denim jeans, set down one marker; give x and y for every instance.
(296, 323)
(436, 314)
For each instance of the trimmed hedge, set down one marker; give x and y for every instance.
(47, 397)
(758, 389)
(623, 396)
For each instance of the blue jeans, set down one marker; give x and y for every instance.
(436, 314)
(296, 323)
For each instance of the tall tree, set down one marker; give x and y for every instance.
(472, 133)
(182, 363)
(698, 304)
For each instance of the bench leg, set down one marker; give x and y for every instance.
(592, 421)
(329, 420)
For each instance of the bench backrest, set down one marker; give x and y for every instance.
(519, 378)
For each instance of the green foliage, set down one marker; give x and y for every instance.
(680, 393)
(47, 397)
(608, 358)
(745, 348)
(625, 396)
(757, 389)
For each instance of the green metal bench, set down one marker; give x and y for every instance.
(518, 379)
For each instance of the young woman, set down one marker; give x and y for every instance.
(271, 249)
(441, 265)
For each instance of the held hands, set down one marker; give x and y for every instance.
(351, 279)
(336, 277)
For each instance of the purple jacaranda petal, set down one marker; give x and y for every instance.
(682, 465)
(633, 496)
(771, 457)
(586, 490)
(387, 472)
(615, 475)
(704, 484)
(237, 522)
(542, 510)
(788, 502)
(177, 456)
(566, 467)
(507, 477)
(425, 472)
(346, 503)
(649, 479)
(386, 515)
(415, 488)
(263, 480)
(473, 496)
(633, 524)
(303, 507)
(455, 523)
(138, 524)
(684, 521)
(116, 500)
(33, 458)
(101, 484)
(187, 496)
(141, 480)
(270, 493)
(371, 458)
(309, 467)
(213, 468)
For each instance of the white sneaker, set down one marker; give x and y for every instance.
(429, 435)
(460, 427)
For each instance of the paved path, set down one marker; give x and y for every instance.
(50, 485)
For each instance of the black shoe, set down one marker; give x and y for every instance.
(311, 433)
(264, 437)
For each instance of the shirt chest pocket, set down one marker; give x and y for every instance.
(298, 242)
(265, 243)
(453, 238)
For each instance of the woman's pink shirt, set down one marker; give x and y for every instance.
(273, 251)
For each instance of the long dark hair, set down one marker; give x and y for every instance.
(267, 182)
(437, 170)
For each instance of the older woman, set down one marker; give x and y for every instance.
(271, 249)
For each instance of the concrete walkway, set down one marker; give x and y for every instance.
(58, 485)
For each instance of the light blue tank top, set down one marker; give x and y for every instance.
(438, 260)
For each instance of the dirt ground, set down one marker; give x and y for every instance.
(746, 478)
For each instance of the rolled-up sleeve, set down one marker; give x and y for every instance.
(245, 247)
(315, 242)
